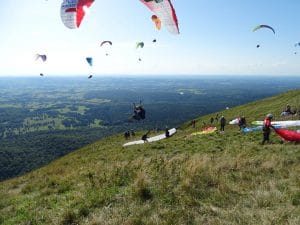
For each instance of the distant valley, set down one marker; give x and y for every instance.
(42, 119)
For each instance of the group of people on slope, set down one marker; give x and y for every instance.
(242, 123)
(212, 119)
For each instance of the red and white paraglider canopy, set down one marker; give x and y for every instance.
(72, 12)
(165, 12)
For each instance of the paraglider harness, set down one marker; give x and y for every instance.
(138, 112)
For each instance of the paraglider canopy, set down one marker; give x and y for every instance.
(42, 57)
(105, 42)
(140, 45)
(165, 13)
(72, 12)
(157, 21)
(89, 60)
(263, 26)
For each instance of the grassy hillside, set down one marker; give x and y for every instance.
(222, 178)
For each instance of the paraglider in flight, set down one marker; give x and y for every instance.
(154, 40)
(257, 46)
(165, 14)
(264, 26)
(156, 21)
(42, 57)
(140, 45)
(296, 45)
(106, 43)
(138, 112)
(72, 12)
(90, 62)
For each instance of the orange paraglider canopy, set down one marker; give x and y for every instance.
(157, 21)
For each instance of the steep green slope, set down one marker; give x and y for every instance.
(222, 178)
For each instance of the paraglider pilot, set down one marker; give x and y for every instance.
(266, 128)
(145, 136)
(223, 123)
(194, 123)
(242, 122)
(138, 112)
(167, 133)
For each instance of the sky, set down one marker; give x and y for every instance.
(215, 38)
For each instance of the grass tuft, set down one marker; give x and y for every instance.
(141, 187)
(69, 218)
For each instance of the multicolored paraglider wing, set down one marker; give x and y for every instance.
(165, 12)
(73, 11)
(264, 26)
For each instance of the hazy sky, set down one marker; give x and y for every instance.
(215, 38)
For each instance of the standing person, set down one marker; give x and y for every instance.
(211, 120)
(266, 128)
(223, 123)
(194, 123)
(217, 118)
(126, 135)
(167, 132)
(242, 122)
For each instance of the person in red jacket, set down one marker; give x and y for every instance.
(266, 128)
